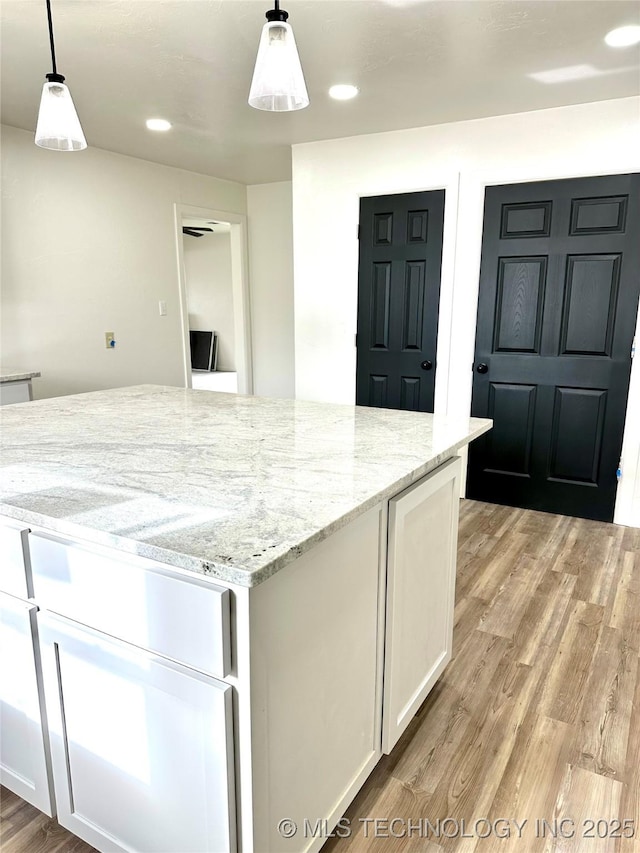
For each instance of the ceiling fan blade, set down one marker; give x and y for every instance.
(198, 228)
(191, 232)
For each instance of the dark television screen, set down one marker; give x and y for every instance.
(201, 350)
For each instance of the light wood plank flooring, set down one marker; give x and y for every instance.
(536, 718)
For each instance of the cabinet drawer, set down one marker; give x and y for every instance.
(144, 603)
(15, 575)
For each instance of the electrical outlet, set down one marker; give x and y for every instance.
(162, 308)
(110, 340)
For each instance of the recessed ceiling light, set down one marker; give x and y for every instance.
(158, 124)
(343, 92)
(623, 36)
(565, 75)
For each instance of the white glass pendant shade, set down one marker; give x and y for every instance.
(278, 82)
(58, 125)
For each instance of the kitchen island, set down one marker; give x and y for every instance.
(224, 609)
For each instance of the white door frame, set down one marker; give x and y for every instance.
(239, 285)
(450, 183)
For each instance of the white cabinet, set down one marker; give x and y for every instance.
(24, 751)
(15, 392)
(421, 569)
(141, 746)
(324, 666)
(23, 736)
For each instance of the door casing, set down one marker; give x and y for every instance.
(239, 285)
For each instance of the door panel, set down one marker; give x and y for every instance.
(511, 407)
(378, 391)
(590, 301)
(526, 220)
(380, 306)
(141, 747)
(398, 299)
(578, 420)
(521, 283)
(413, 306)
(559, 287)
(423, 531)
(24, 744)
(410, 393)
(597, 215)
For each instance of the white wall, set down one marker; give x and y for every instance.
(463, 157)
(207, 262)
(271, 273)
(628, 507)
(89, 246)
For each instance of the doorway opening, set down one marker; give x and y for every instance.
(211, 248)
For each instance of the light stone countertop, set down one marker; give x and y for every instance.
(10, 374)
(229, 486)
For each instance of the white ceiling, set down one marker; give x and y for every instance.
(417, 62)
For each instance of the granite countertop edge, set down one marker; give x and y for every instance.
(19, 376)
(213, 570)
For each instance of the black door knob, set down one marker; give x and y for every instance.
(482, 368)
(426, 365)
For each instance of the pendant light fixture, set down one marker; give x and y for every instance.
(58, 125)
(278, 82)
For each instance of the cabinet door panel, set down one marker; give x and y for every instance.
(15, 392)
(15, 575)
(423, 527)
(23, 738)
(142, 747)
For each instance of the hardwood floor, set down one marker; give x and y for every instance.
(537, 718)
(24, 829)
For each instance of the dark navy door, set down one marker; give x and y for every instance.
(559, 287)
(398, 299)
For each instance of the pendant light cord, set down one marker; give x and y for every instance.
(53, 48)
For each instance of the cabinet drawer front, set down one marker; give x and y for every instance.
(142, 747)
(145, 604)
(24, 742)
(14, 559)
